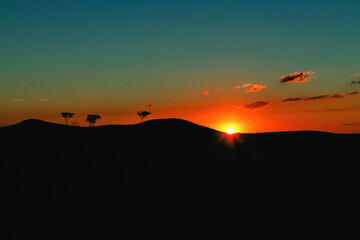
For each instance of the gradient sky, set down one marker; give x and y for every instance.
(114, 57)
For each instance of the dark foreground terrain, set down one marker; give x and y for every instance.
(172, 179)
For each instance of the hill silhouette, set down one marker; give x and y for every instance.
(173, 179)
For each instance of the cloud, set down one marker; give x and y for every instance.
(244, 86)
(264, 103)
(342, 95)
(314, 98)
(43, 99)
(149, 105)
(337, 95)
(254, 87)
(256, 105)
(355, 82)
(350, 124)
(17, 100)
(297, 77)
(23, 100)
(356, 74)
(291, 99)
(206, 93)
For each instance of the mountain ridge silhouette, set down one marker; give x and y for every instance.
(173, 179)
(165, 123)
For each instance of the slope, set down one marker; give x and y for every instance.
(174, 179)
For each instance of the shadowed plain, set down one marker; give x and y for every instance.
(173, 179)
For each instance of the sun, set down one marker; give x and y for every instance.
(230, 131)
(230, 127)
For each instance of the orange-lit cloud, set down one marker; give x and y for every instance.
(206, 93)
(264, 103)
(350, 124)
(243, 86)
(356, 74)
(256, 105)
(291, 99)
(297, 99)
(254, 87)
(37, 100)
(297, 77)
(337, 95)
(17, 100)
(246, 85)
(313, 98)
(43, 99)
(342, 95)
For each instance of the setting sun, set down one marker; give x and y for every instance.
(230, 128)
(230, 131)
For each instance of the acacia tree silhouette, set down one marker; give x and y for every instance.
(92, 119)
(143, 114)
(67, 116)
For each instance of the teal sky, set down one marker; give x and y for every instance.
(116, 56)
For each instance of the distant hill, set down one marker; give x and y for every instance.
(173, 179)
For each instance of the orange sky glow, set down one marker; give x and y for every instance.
(219, 64)
(219, 108)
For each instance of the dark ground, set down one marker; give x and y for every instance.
(172, 179)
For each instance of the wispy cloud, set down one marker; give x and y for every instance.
(263, 103)
(244, 85)
(342, 95)
(298, 99)
(206, 93)
(256, 105)
(254, 87)
(356, 74)
(17, 100)
(314, 98)
(291, 99)
(43, 99)
(297, 77)
(350, 124)
(23, 100)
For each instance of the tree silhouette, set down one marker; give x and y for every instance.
(143, 114)
(92, 119)
(67, 116)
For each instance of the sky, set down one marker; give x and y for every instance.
(255, 66)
